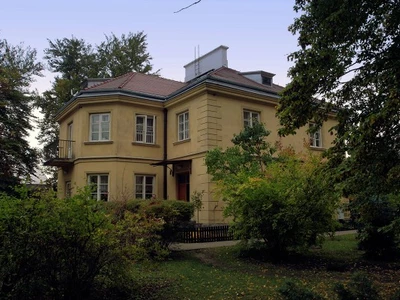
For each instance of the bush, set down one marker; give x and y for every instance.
(359, 287)
(378, 218)
(170, 215)
(293, 291)
(55, 248)
(290, 207)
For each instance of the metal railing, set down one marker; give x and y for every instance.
(59, 149)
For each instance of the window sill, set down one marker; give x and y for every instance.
(181, 142)
(145, 144)
(97, 142)
(317, 148)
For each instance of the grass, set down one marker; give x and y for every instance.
(225, 273)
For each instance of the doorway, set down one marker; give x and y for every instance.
(183, 186)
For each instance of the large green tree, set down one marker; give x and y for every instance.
(18, 159)
(349, 62)
(286, 200)
(75, 60)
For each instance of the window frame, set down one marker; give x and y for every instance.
(97, 192)
(143, 184)
(100, 131)
(315, 137)
(251, 118)
(185, 132)
(145, 131)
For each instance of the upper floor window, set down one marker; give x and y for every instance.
(183, 126)
(315, 137)
(99, 184)
(68, 189)
(144, 186)
(145, 126)
(100, 127)
(250, 117)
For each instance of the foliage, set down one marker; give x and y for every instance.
(75, 60)
(52, 248)
(250, 154)
(18, 67)
(349, 62)
(170, 215)
(292, 291)
(359, 287)
(378, 220)
(72, 248)
(287, 201)
(196, 200)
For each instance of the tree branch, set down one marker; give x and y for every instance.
(187, 6)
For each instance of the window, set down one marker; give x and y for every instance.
(99, 184)
(183, 126)
(250, 117)
(99, 127)
(315, 137)
(68, 189)
(144, 186)
(145, 129)
(267, 81)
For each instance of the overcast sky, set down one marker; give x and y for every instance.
(254, 30)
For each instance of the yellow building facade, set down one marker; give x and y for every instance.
(143, 136)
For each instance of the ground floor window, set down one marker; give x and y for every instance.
(144, 186)
(68, 189)
(99, 184)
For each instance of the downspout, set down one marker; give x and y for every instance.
(165, 156)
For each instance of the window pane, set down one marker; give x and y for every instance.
(95, 118)
(105, 136)
(105, 118)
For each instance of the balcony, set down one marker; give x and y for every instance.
(60, 153)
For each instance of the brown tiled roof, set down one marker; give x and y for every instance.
(162, 87)
(141, 83)
(235, 77)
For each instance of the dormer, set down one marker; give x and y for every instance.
(261, 77)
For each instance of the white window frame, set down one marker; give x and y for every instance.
(98, 193)
(148, 134)
(252, 115)
(141, 183)
(99, 126)
(183, 126)
(315, 137)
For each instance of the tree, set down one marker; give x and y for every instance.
(128, 53)
(286, 201)
(349, 62)
(75, 60)
(18, 66)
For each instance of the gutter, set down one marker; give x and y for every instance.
(165, 156)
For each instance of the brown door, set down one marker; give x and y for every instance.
(183, 188)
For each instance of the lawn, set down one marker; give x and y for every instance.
(228, 273)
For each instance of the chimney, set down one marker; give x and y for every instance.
(212, 60)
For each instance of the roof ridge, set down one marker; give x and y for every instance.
(154, 75)
(106, 81)
(130, 76)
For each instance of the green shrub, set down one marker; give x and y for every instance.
(378, 218)
(55, 248)
(293, 291)
(359, 287)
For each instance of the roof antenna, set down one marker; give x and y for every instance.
(197, 61)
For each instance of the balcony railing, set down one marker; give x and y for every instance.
(60, 153)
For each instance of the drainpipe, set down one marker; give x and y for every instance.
(165, 191)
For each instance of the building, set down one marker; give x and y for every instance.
(143, 136)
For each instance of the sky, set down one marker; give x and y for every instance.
(256, 31)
